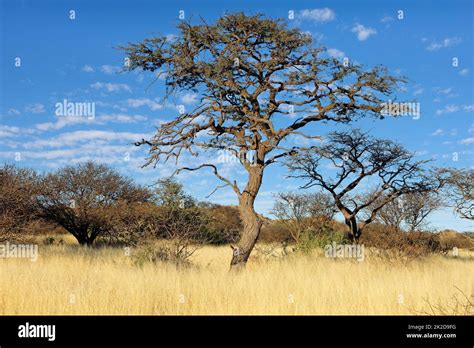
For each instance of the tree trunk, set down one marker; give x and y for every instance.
(250, 220)
(82, 240)
(354, 231)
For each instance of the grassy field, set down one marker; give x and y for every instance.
(67, 279)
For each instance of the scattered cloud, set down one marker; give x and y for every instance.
(386, 19)
(454, 108)
(121, 118)
(111, 87)
(437, 132)
(8, 131)
(319, 15)
(88, 69)
(468, 108)
(418, 91)
(189, 98)
(12, 131)
(64, 121)
(447, 42)
(35, 108)
(448, 109)
(13, 111)
(139, 102)
(335, 53)
(109, 69)
(171, 37)
(439, 90)
(363, 33)
(83, 136)
(466, 141)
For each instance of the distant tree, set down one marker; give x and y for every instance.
(250, 73)
(79, 199)
(392, 214)
(417, 207)
(18, 186)
(297, 210)
(169, 192)
(410, 211)
(321, 205)
(459, 190)
(356, 157)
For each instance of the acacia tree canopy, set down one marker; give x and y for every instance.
(259, 82)
(459, 190)
(17, 187)
(78, 197)
(356, 157)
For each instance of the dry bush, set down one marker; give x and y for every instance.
(390, 242)
(17, 211)
(132, 223)
(180, 232)
(450, 239)
(223, 223)
(166, 252)
(458, 304)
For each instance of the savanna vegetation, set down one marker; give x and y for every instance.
(111, 246)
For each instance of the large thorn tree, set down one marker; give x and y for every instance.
(260, 82)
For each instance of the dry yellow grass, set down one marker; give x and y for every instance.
(70, 280)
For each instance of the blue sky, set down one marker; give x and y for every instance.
(77, 60)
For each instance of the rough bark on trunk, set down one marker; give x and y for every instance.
(250, 220)
(354, 231)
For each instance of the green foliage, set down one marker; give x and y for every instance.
(170, 193)
(318, 236)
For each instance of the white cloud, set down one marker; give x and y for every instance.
(447, 42)
(318, 14)
(363, 33)
(171, 38)
(88, 68)
(418, 91)
(8, 131)
(13, 111)
(136, 103)
(35, 108)
(466, 141)
(109, 69)
(437, 132)
(13, 131)
(64, 121)
(335, 53)
(386, 19)
(454, 108)
(82, 136)
(121, 118)
(189, 98)
(447, 109)
(468, 108)
(111, 87)
(439, 90)
(464, 72)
